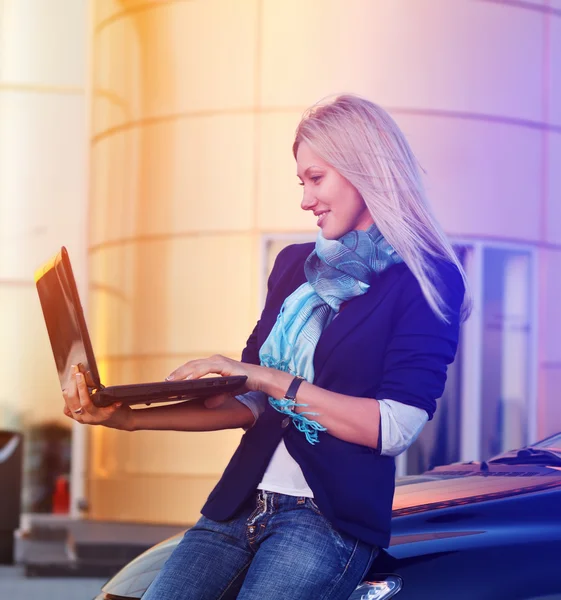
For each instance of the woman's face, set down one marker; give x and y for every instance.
(336, 203)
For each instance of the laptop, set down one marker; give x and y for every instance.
(71, 345)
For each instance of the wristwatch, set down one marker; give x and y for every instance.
(292, 390)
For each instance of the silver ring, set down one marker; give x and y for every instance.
(79, 411)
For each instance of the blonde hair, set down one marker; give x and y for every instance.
(365, 145)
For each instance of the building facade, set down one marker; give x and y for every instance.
(193, 107)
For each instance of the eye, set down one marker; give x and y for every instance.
(313, 178)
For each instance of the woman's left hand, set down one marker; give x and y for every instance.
(220, 365)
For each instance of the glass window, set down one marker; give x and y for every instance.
(506, 350)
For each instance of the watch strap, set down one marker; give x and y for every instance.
(293, 389)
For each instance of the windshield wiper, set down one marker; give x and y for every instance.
(529, 456)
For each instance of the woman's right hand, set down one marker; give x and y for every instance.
(79, 406)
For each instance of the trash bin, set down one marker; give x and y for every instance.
(47, 460)
(11, 459)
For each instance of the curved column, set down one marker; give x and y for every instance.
(42, 191)
(173, 238)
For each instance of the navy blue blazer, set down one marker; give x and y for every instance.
(387, 343)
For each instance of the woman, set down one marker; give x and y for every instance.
(343, 369)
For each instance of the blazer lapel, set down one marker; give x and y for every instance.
(355, 313)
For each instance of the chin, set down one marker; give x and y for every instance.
(333, 234)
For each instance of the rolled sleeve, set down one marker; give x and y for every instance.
(255, 401)
(401, 424)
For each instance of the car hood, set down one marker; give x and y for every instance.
(134, 578)
(443, 487)
(469, 483)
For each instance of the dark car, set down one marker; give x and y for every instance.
(466, 531)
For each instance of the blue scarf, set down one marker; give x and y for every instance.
(337, 270)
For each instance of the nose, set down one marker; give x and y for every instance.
(309, 201)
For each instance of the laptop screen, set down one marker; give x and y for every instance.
(64, 318)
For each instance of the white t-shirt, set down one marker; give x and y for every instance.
(400, 425)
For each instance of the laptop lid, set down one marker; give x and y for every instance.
(64, 318)
(71, 345)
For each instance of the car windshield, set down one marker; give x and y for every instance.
(552, 443)
(529, 455)
(544, 451)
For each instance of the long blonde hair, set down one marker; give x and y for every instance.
(365, 145)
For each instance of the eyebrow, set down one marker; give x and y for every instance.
(310, 167)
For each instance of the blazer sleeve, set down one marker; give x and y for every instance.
(250, 354)
(422, 345)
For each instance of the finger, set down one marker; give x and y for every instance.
(83, 392)
(89, 379)
(194, 369)
(70, 395)
(184, 371)
(76, 416)
(88, 412)
(215, 401)
(82, 381)
(67, 412)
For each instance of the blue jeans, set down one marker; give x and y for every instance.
(282, 548)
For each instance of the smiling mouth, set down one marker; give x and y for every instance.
(321, 217)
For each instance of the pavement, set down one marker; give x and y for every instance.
(14, 585)
(58, 546)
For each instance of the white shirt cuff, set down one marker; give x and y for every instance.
(255, 401)
(401, 424)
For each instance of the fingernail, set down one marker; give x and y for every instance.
(74, 369)
(79, 376)
(169, 377)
